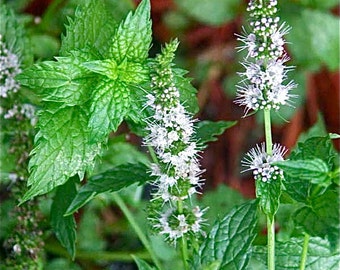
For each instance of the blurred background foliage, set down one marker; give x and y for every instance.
(206, 30)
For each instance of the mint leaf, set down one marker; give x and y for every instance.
(314, 170)
(61, 150)
(312, 148)
(269, 194)
(64, 80)
(228, 245)
(142, 265)
(91, 27)
(112, 180)
(216, 201)
(110, 103)
(288, 255)
(64, 227)
(206, 131)
(132, 38)
(321, 216)
(128, 72)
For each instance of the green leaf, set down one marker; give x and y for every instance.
(206, 131)
(64, 81)
(321, 216)
(132, 39)
(312, 148)
(61, 150)
(316, 32)
(288, 255)
(64, 227)
(14, 35)
(119, 152)
(128, 72)
(314, 170)
(187, 91)
(91, 27)
(142, 265)
(110, 104)
(112, 180)
(220, 201)
(228, 245)
(222, 10)
(269, 194)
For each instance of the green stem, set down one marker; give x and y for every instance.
(270, 221)
(184, 243)
(268, 132)
(136, 228)
(304, 252)
(271, 243)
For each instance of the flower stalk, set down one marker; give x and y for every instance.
(263, 88)
(175, 158)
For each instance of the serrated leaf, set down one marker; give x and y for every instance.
(110, 104)
(64, 227)
(312, 148)
(64, 80)
(112, 180)
(228, 245)
(61, 150)
(288, 255)
(314, 170)
(14, 35)
(321, 216)
(220, 201)
(269, 194)
(132, 38)
(142, 265)
(91, 27)
(207, 131)
(128, 72)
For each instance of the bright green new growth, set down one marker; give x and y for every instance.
(86, 96)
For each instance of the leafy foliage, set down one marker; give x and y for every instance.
(64, 227)
(269, 196)
(288, 255)
(228, 245)
(313, 33)
(112, 180)
(206, 131)
(70, 133)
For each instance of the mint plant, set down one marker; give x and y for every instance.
(105, 80)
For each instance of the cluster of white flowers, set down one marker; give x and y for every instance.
(9, 68)
(170, 134)
(263, 84)
(27, 111)
(261, 163)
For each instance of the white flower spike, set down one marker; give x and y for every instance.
(261, 163)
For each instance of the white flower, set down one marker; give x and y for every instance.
(9, 68)
(263, 85)
(260, 162)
